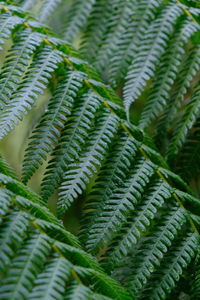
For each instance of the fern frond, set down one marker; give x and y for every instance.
(76, 18)
(126, 46)
(117, 26)
(27, 4)
(139, 224)
(100, 159)
(47, 9)
(75, 179)
(5, 168)
(52, 121)
(34, 83)
(36, 265)
(120, 205)
(111, 174)
(16, 63)
(186, 76)
(166, 75)
(97, 26)
(196, 287)
(73, 137)
(7, 23)
(192, 112)
(188, 161)
(161, 239)
(154, 44)
(172, 268)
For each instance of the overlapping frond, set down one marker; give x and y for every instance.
(40, 259)
(135, 209)
(47, 9)
(145, 49)
(59, 109)
(190, 115)
(34, 82)
(76, 18)
(159, 95)
(149, 53)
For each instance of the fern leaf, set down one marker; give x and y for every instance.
(34, 83)
(52, 121)
(188, 73)
(196, 287)
(80, 173)
(188, 161)
(172, 267)
(5, 202)
(166, 75)
(20, 277)
(79, 292)
(154, 248)
(5, 168)
(76, 18)
(36, 265)
(55, 274)
(191, 114)
(142, 14)
(121, 203)
(47, 9)
(27, 4)
(143, 66)
(17, 60)
(111, 175)
(118, 23)
(7, 23)
(13, 229)
(138, 225)
(73, 138)
(97, 26)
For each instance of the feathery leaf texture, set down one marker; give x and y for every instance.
(128, 42)
(137, 213)
(190, 116)
(40, 259)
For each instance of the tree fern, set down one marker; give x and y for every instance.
(140, 219)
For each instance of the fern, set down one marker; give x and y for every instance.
(39, 258)
(159, 94)
(191, 114)
(59, 109)
(139, 218)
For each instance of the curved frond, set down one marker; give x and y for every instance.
(73, 138)
(36, 265)
(166, 75)
(47, 9)
(34, 82)
(140, 219)
(172, 267)
(16, 63)
(75, 179)
(154, 44)
(53, 120)
(192, 112)
(76, 18)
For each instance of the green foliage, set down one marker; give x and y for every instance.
(148, 51)
(139, 219)
(40, 259)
